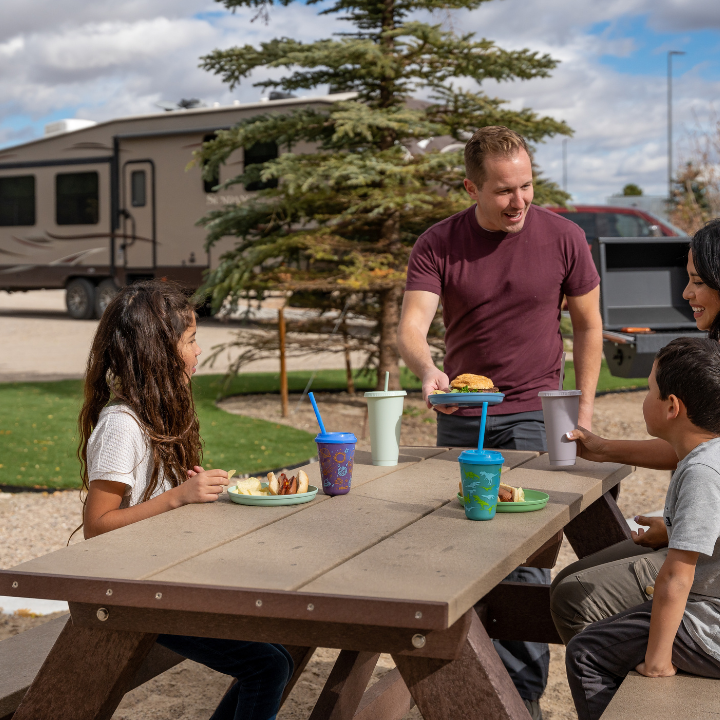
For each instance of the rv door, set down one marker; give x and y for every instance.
(136, 243)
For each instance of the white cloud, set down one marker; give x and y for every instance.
(112, 58)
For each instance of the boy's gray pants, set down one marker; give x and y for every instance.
(610, 589)
(527, 663)
(599, 658)
(602, 585)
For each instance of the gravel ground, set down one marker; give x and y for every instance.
(34, 524)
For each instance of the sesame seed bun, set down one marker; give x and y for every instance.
(473, 382)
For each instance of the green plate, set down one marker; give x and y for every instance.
(534, 500)
(272, 500)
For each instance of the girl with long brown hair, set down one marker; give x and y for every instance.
(140, 452)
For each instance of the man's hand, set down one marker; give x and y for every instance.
(435, 379)
(655, 536)
(204, 486)
(656, 672)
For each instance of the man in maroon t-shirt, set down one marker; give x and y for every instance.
(502, 268)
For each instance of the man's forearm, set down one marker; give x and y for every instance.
(415, 351)
(587, 358)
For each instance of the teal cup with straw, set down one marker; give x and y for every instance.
(480, 477)
(385, 410)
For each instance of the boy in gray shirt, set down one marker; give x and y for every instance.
(679, 629)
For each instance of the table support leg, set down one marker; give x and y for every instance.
(301, 657)
(344, 689)
(598, 527)
(476, 686)
(387, 699)
(85, 675)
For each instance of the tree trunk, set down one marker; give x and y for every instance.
(348, 362)
(389, 319)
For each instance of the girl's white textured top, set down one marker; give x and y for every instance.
(118, 450)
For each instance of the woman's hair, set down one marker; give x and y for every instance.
(135, 358)
(705, 247)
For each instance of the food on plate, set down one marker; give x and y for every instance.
(249, 486)
(468, 383)
(515, 494)
(284, 485)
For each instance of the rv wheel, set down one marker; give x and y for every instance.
(80, 299)
(104, 293)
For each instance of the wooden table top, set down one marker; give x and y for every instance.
(396, 551)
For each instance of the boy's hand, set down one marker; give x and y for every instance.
(589, 446)
(653, 672)
(203, 486)
(655, 536)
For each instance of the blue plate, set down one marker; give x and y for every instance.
(466, 399)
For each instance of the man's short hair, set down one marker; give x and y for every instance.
(689, 368)
(490, 141)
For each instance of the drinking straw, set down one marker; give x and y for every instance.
(481, 439)
(562, 371)
(387, 380)
(317, 414)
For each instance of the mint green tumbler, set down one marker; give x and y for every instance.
(385, 409)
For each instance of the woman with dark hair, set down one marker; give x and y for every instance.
(623, 575)
(703, 294)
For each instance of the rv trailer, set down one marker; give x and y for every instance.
(101, 206)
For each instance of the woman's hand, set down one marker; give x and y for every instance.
(655, 672)
(590, 446)
(202, 486)
(655, 536)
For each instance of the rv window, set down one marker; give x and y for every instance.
(137, 188)
(209, 185)
(257, 154)
(17, 200)
(77, 198)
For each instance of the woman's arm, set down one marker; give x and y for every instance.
(654, 454)
(672, 588)
(103, 512)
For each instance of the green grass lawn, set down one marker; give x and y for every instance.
(606, 381)
(38, 424)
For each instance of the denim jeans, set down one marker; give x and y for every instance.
(262, 671)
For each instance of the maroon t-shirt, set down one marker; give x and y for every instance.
(501, 295)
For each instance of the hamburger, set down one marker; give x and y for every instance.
(468, 382)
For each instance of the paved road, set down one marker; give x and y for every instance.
(41, 341)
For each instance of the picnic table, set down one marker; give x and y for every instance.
(392, 567)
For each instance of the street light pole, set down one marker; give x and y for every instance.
(564, 147)
(669, 118)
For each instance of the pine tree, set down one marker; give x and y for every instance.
(341, 221)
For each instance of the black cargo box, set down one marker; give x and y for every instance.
(641, 286)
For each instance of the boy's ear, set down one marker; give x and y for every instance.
(675, 407)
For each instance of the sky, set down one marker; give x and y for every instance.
(111, 58)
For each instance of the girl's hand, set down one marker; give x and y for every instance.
(655, 672)
(655, 536)
(203, 486)
(589, 446)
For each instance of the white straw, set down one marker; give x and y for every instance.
(562, 371)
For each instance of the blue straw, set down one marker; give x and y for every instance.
(481, 439)
(317, 414)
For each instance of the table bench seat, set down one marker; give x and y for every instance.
(22, 656)
(682, 697)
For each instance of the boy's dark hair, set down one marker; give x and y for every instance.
(689, 368)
